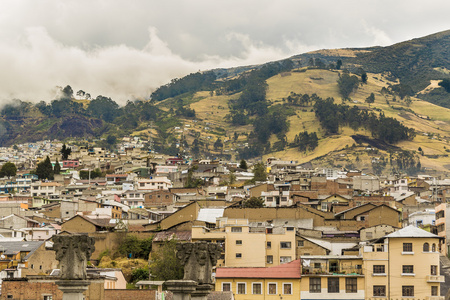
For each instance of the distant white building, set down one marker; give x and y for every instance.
(421, 218)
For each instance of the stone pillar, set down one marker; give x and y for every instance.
(181, 289)
(73, 289)
(73, 252)
(198, 260)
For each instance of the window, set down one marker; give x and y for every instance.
(379, 290)
(285, 259)
(378, 269)
(300, 243)
(333, 285)
(269, 230)
(369, 235)
(317, 265)
(433, 270)
(433, 248)
(408, 291)
(434, 291)
(315, 285)
(48, 297)
(287, 288)
(351, 285)
(238, 242)
(257, 288)
(407, 247)
(285, 245)
(269, 245)
(241, 288)
(226, 286)
(426, 247)
(362, 218)
(289, 228)
(408, 269)
(9, 297)
(236, 229)
(270, 259)
(238, 255)
(272, 288)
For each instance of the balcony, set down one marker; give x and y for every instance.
(435, 278)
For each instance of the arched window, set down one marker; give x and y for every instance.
(426, 247)
(433, 248)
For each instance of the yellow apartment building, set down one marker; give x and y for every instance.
(250, 244)
(403, 264)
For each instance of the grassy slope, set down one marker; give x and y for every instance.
(211, 123)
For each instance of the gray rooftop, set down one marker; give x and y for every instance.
(411, 232)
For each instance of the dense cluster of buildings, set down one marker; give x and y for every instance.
(320, 233)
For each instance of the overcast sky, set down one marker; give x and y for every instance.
(125, 49)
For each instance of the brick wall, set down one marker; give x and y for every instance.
(130, 294)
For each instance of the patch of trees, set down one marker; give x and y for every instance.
(405, 161)
(445, 83)
(301, 99)
(332, 116)
(347, 84)
(164, 264)
(44, 170)
(85, 174)
(8, 169)
(190, 83)
(253, 202)
(306, 141)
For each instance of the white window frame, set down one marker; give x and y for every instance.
(276, 288)
(287, 283)
(231, 286)
(260, 284)
(237, 288)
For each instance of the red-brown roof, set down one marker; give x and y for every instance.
(288, 270)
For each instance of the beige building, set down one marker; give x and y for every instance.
(403, 264)
(250, 244)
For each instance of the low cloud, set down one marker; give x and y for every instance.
(38, 63)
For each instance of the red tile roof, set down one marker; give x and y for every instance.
(288, 270)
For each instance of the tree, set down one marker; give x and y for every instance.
(253, 202)
(164, 264)
(134, 247)
(338, 64)
(243, 164)
(111, 140)
(347, 84)
(371, 98)
(364, 77)
(259, 172)
(57, 167)
(65, 152)
(67, 92)
(408, 101)
(8, 169)
(44, 170)
(218, 144)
